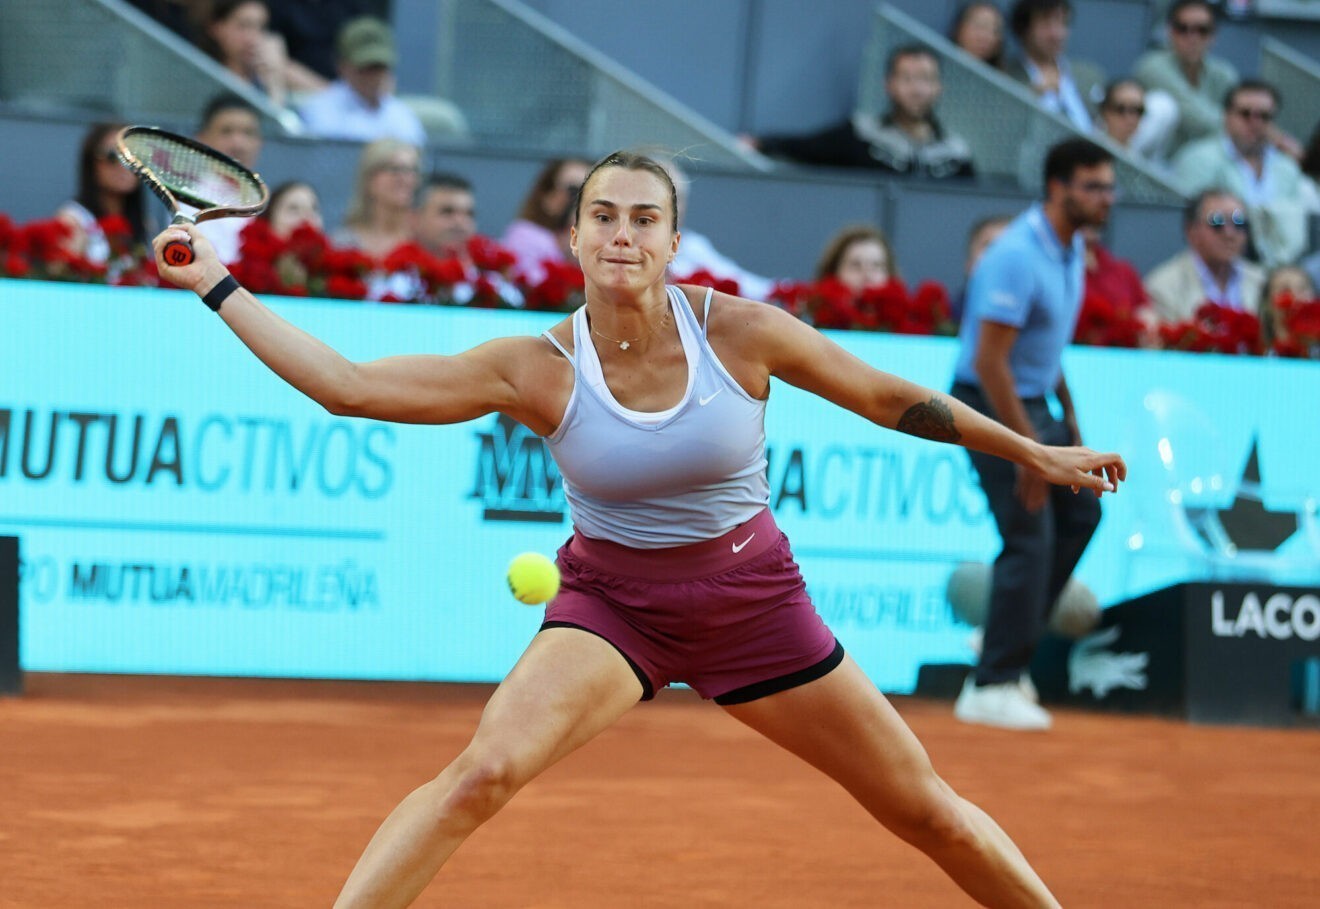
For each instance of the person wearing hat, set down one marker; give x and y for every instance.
(360, 105)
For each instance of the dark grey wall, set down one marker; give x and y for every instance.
(763, 66)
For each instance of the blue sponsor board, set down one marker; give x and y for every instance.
(182, 510)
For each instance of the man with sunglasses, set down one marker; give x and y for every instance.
(1212, 268)
(1243, 160)
(1186, 72)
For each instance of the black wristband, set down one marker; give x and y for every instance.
(218, 294)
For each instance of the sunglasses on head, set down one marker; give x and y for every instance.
(1193, 28)
(1218, 220)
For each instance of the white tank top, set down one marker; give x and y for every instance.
(655, 480)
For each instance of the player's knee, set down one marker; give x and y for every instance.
(935, 822)
(481, 786)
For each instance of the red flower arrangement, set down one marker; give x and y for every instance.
(888, 307)
(1297, 327)
(1214, 329)
(1105, 323)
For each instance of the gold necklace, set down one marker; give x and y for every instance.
(625, 344)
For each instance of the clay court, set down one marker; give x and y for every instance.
(168, 792)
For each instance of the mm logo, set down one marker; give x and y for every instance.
(517, 480)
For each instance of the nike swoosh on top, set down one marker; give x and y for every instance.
(739, 547)
(706, 400)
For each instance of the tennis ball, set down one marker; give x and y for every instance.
(533, 578)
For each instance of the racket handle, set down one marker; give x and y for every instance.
(178, 253)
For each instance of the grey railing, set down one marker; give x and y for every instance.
(524, 83)
(1297, 77)
(1008, 131)
(104, 59)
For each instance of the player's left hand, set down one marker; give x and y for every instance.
(1082, 468)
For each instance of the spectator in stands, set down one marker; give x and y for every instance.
(1136, 120)
(983, 232)
(105, 188)
(1286, 280)
(539, 233)
(1309, 162)
(978, 28)
(1121, 110)
(445, 217)
(292, 205)
(1111, 278)
(859, 257)
(230, 124)
(1186, 72)
(310, 27)
(1242, 160)
(360, 105)
(1071, 88)
(697, 253)
(906, 139)
(445, 224)
(236, 37)
(379, 215)
(1212, 268)
(1022, 307)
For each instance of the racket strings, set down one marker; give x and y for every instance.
(192, 173)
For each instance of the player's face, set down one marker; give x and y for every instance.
(298, 206)
(236, 133)
(446, 220)
(914, 86)
(863, 264)
(625, 233)
(1089, 195)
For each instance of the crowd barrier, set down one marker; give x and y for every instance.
(181, 510)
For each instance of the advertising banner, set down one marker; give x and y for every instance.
(182, 510)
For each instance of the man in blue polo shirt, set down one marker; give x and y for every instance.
(1022, 307)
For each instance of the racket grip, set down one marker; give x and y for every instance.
(178, 253)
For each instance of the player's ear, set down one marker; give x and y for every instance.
(572, 239)
(673, 245)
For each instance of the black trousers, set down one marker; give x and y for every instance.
(1040, 549)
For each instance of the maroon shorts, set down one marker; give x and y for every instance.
(728, 616)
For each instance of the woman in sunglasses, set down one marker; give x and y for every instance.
(105, 188)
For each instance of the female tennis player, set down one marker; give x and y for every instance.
(652, 399)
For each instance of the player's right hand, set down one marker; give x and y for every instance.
(200, 275)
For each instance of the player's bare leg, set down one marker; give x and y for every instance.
(843, 726)
(568, 686)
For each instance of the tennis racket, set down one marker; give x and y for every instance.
(183, 171)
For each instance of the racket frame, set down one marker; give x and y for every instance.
(172, 198)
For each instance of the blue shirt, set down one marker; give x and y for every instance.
(1027, 279)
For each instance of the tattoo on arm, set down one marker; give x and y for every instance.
(932, 420)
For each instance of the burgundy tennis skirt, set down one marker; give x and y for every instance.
(728, 616)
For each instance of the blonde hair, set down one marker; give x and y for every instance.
(375, 155)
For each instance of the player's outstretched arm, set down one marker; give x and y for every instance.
(409, 389)
(798, 354)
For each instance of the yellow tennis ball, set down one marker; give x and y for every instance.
(533, 578)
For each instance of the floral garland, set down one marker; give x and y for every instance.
(307, 265)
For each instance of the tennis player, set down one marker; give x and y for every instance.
(651, 399)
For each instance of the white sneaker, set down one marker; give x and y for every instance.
(1028, 687)
(1003, 705)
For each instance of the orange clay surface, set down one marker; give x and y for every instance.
(168, 792)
